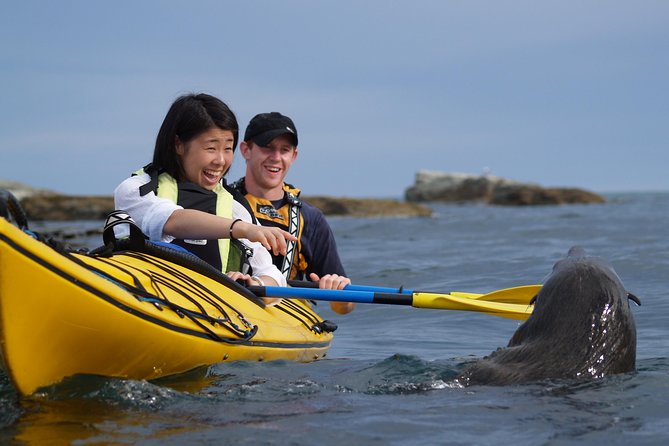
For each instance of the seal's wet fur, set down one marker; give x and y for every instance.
(581, 328)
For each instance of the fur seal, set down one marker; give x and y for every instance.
(581, 328)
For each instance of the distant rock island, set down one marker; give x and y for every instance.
(461, 187)
(41, 204)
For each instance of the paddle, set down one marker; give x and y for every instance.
(480, 303)
(521, 295)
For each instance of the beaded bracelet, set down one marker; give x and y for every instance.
(232, 224)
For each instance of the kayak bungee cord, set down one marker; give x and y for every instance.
(293, 310)
(312, 323)
(168, 281)
(286, 306)
(140, 293)
(204, 293)
(195, 287)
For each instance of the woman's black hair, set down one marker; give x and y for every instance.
(188, 117)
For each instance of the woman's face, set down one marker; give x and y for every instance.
(207, 157)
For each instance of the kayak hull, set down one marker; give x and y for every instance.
(132, 315)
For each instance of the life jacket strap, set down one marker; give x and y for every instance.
(293, 229)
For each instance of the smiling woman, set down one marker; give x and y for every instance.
(182, 198)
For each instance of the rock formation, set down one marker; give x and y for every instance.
(462, 187)
(368, 207)
(67, 207)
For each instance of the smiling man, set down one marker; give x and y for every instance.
(270, 148)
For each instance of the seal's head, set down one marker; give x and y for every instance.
(581, 327)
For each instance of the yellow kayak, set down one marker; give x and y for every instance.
(134, 314)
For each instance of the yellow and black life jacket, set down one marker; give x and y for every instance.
(287, 217)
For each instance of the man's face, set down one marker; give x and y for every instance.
(268, 166)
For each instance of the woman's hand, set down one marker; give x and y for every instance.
(334, 282)
(237, 277)
(273, 239)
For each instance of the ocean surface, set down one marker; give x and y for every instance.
(388, 379)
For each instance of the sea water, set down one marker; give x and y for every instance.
(388, 379)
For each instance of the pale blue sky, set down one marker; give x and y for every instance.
(561, 93)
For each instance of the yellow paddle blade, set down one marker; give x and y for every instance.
(521, 295)
(454, 302)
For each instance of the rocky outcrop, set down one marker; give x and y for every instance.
(48, 205)
(21, 191)
(523, 195)
(368, 207)
(439, 186)
(462, 187)
(67, 207)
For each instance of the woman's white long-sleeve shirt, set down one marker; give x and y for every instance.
(151, 212)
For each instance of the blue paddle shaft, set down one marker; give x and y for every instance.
(365, 297)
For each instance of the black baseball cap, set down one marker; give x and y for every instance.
(264, 127)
